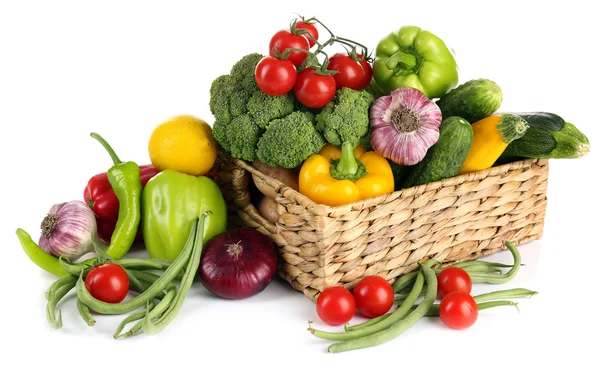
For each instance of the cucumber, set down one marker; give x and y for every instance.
(445, 158)
(548, 136)
(473, 100)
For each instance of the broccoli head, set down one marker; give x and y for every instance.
(242, 111)
(345, 117)
(288, 141)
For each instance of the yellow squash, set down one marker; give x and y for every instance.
(491, 137)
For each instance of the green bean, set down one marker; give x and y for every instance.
(399, 314)
(157, 287)
(137, 315)
(399, 327)
(75, 268)
(134, 283)
(84, 312)
(147, 264)
(435, 309)
(54, 299)
(153, 327)
(505, 294)
(63, 280)
(503, 278)
(369, 322)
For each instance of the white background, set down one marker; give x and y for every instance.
(122, 67)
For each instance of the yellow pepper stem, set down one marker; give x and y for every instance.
(347, 167)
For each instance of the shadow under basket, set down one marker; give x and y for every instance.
(457, 219)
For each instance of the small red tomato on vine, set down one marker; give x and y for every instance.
(275, 76)
(351, 73)
(283, 41)
(314, 89)
(311, 28)
(108, 283)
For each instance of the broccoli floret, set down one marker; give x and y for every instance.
(241, 137)
(289, 141)
(242, 111)
(264, 108)
(346, 117)
(245, 66)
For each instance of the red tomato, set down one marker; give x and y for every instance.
(453, 279)
(374, 296)
(458, 310)
(350, 72)
(314, 90)
(310, 27)
(108, 283)
(275, 76)
(368, 72)
(283, 40)
(336, 306)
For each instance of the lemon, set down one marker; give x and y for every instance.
(183, 143)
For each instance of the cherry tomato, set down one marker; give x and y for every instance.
(350, 72)
(453, 279)
(314, 90)
(310, 27)
(275, 76)
(283, 40)
(336, 306)
(108, 283)
(368, 72)
(374, 296)
(458, 310)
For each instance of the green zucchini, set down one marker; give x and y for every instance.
(549, 136)
(445, 158)
(473, 100)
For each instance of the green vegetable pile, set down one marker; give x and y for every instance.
(279, 130)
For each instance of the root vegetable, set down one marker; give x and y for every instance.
(268, 209)
(287, 176)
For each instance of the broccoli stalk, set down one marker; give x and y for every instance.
(347, 167)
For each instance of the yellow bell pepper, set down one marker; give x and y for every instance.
(334, 177)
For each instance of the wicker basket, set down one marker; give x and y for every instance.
(456, 219)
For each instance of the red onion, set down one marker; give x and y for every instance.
(68, 230)
(238, 263)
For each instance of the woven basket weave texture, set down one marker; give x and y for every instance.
(456, 219)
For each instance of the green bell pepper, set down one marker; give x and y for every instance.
(171, 200)
(415, 58)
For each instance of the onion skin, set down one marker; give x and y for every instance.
(68, 230)
(238, 263)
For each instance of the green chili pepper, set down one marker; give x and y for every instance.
(39, 256)
(171, 200)
(124, 177)
(411, 57)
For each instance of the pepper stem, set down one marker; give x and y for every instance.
(408, 61)
(108, 148)
(347, 167)
(347, 164)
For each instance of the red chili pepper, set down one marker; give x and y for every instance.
(101, 198)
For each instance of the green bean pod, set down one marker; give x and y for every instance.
(435, 309)
(399, 327)
(152, 327)
(54, 299)
(136, 315)
(503, 278)
(158, 286)
(84, 312)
